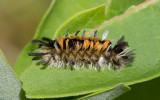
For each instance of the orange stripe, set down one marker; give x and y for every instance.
(105, 44)
(86, 44)
(96, 45)
(67, 45)
(71, 37)
(60, 41)
(91, 46)
(96, 41)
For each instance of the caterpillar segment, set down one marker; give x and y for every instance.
(79, 52)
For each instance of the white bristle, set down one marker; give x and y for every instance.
(55, 45)
(105, 34)
(108, 47)
(100, 61)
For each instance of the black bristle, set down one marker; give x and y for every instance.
(117, 63)
(46, 63)
(95, 34)
(83, 35)
(126, 58)
(58, 45)
(39, 46)
(121, 44)
(40, 62)
(109, 55)
(36, 41)
(71, 45)
(52, 53)
(36, 58)
(47, 39)
(64, 44)
(72, 62)
(120, 40)
(37, 54)
(77, 33)
(67, 35)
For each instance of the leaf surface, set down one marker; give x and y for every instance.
(56, 16)
(83, 20)
(148, 90)
(10, 86)
(107, 95)
(140, 28)
(118, 7)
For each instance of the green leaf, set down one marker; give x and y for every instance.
(54, 17)
(76, 81)
(140, 28)
(148, 90)
(10, 86)
(85, 19)
(118, 7)
(107, 95)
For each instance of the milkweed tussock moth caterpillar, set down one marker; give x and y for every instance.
(79, 52)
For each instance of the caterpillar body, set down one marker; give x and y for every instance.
(78, 52)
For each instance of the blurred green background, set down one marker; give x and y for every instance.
(19, 20)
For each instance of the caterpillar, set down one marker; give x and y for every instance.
(78, 52)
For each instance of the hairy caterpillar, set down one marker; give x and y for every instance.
(79, 52)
